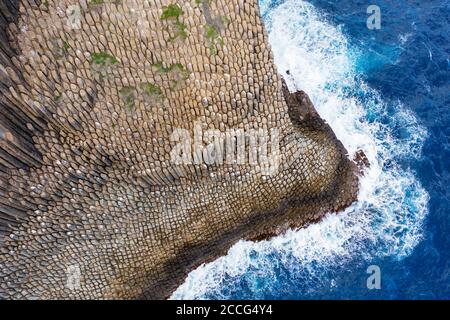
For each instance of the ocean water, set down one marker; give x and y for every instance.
(386, 92)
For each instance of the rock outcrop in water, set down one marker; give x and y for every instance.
(92, 203)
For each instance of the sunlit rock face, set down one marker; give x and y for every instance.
(140, 139)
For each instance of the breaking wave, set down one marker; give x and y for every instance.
(386, 222)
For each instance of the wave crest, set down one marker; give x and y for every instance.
(387, 219)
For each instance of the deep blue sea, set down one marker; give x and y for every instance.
(386, 92)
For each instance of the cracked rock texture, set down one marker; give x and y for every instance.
(91, 204)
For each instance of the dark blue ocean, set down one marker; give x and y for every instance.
(386, 92)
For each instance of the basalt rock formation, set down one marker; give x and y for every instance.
(92, 204)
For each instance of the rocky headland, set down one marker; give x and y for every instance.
(92, 203)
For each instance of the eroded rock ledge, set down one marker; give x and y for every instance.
(92, 204)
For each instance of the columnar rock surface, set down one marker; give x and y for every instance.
(91, 93)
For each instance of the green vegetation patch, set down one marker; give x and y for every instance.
(159, 65)
(177, 73)
(181, 31)
(96, 2)
(66, 45)
(214, 37)
(151, 89)
(128, 95)
(225, 20)
(199, 2)
(173, 67)
(57, 97)
(211, 32)
(172, 11)
(103, 59)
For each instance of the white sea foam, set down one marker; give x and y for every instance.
(387, 219)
